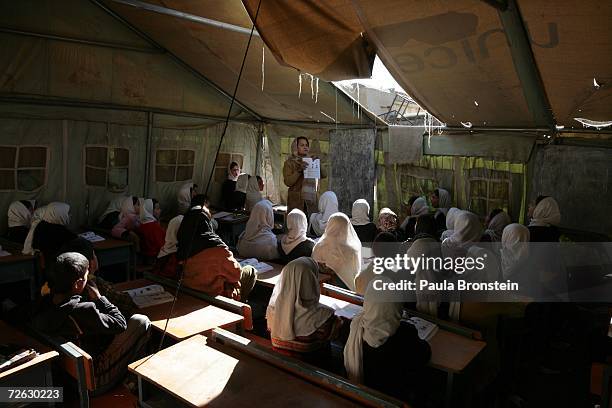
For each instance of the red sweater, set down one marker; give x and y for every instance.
(152, 237)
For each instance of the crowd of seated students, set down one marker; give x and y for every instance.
(324, 242)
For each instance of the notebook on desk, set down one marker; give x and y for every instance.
(151, 295)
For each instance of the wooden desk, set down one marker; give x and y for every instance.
(115, 251)
(18, 267)
(34, 373)
(271, 278)
(198, 374)
(191, 316)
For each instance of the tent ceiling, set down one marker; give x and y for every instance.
(458, 58)
(217, 53)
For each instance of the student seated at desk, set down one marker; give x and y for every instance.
(382, 352)
(418, 206)
(451, 215)
(258, 240)
(514, 251)
(49, 230)
(150, 231)
(384, 246)
(167, 263)
(545, 218)
(19, 220)
(496, 221)
(328, 205)
(120, 299)
(296, 319)
(238, 198)
(208, 264)
(110, 216)
(253, 194)
(229, 185)
(365, 229)
(129, 218)
(387, 222)
(97, 326)
(185, 195)
(340, 250)
(441, 201)
(295, 244)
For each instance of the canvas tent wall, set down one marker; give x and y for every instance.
(91, 107)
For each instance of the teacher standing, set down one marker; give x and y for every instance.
(302, 192)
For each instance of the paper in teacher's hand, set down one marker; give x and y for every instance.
(313, 171)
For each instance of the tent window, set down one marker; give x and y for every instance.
(174, 165)
(488, 194)
(414, 186)
(22, 168)
(223, 161)
(107, 167)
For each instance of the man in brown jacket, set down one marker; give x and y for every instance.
(302, 192)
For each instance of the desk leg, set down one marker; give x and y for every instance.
(605, 394)
(449, 390)
(140, 393)
(49, 380)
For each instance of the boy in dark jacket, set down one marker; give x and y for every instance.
(97, 326)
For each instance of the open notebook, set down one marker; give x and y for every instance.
(341, 308)
(425, 328)
(149, 296)
(260, 266)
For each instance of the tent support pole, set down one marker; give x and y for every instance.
(525, 65)
(149, 145)
(81, 41)
(179, 61)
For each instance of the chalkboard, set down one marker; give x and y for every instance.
(580, 179)
(351, 155)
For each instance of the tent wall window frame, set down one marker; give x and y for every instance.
(107, 169)
(16, 168)
(176, 165)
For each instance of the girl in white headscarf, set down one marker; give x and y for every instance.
(294, 243)
(545, 220)
(381, 352)
(110, 216)
(441, 200)
(49, 230)
(514, 250)
(328, 204)
(450, 222)
(296, 319)
(258, 240)
(184, 196)
(419, 207)
(366, 230)
(253, 195)
(129, 218)
(239, 195)
(19, 220)
(150, 231)
(340, 249)
(466, 233)
(166, 264)
(496, 226)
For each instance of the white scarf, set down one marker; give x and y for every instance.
(242, 183)
(296, 230)
(328, 204)
(467, 231)
(450, 222)
(375, 324)
(171, 240)
(515, 248)
(253, 195)
(53, 213)
(146, 210)
(258, 240)
(360, 212)
(184, 197)
(497, 225)
(546, 213)
(340, 249)
(113, 206)
(419, 207)
(294, 309)
(127, 208)
(444, 201)
(19, 215)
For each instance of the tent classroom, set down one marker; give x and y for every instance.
(104, 98)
